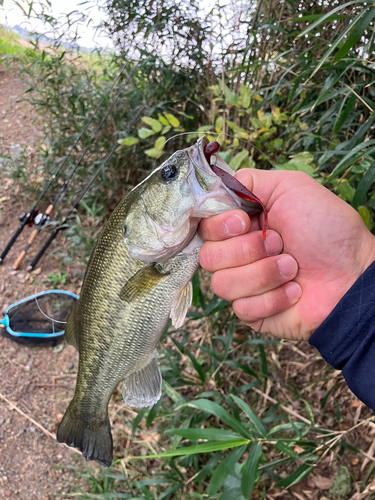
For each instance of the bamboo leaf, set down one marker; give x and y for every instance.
(324, 17)
(363, 187)
(219, 412)
(341, 117)
(261, 430)
(200, 448)
(295, 477)
(337, 42)
(223, 470)
(356, 34)
(207, 434)
(250, 469)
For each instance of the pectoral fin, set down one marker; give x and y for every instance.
(181, 305)
(143, 282)
(143, 388)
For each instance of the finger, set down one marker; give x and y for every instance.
(239, 251)
(254, 279)
(224, 226)
(255, 310)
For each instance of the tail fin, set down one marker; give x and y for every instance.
(95, 443)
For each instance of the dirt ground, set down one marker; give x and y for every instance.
(39, 382)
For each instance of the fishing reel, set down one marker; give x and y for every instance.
(41, 219)
(28, 217)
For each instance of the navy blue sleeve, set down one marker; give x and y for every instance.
(346, 339)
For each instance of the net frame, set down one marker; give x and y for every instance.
(6, 320)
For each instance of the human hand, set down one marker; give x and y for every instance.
(319, 231)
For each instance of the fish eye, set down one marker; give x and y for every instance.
(168, 173)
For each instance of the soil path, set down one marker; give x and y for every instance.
(38, 381)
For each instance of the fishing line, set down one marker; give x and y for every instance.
(218, 136)
(62, 224)
(58, 198)
(28, 217)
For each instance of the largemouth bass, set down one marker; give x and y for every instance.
(138, 277)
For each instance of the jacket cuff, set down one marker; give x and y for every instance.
(346, 339)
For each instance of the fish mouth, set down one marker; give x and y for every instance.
(218, 174)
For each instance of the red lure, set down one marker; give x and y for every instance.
(232, 183)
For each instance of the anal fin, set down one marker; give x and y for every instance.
(181, 305)
(143, 388)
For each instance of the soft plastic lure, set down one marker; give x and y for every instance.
(232, 183)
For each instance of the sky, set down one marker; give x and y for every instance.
(11, 15)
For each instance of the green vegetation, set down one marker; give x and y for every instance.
(291, 86)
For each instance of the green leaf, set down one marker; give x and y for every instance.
(355, 35)
(207, 434)
(201, 448)
(238, 159)
(295, 477)
(174, 122)
(219, 412)
(363, 187)
(249, 470)
(366, 216)
(169, 391)
(223, 470)
(304, 157)
(346, 191)
(154, 153)
(163, 120)
(246, 100)
(128, 141)
(154, 124)
(145, 132)
(261, 430)
(159, 143)
(248, 163)
(225, 155)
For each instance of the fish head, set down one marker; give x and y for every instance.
(168, 205)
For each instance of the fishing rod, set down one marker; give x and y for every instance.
(29, 216)
(62, 224)
(41, 219)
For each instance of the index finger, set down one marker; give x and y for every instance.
(223, 226)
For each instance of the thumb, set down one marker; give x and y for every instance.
(262, 183)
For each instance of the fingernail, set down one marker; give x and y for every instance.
(293, 291)
(287, 266)
(234, 225)
(273, 244)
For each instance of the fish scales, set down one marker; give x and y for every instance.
(138, 277)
